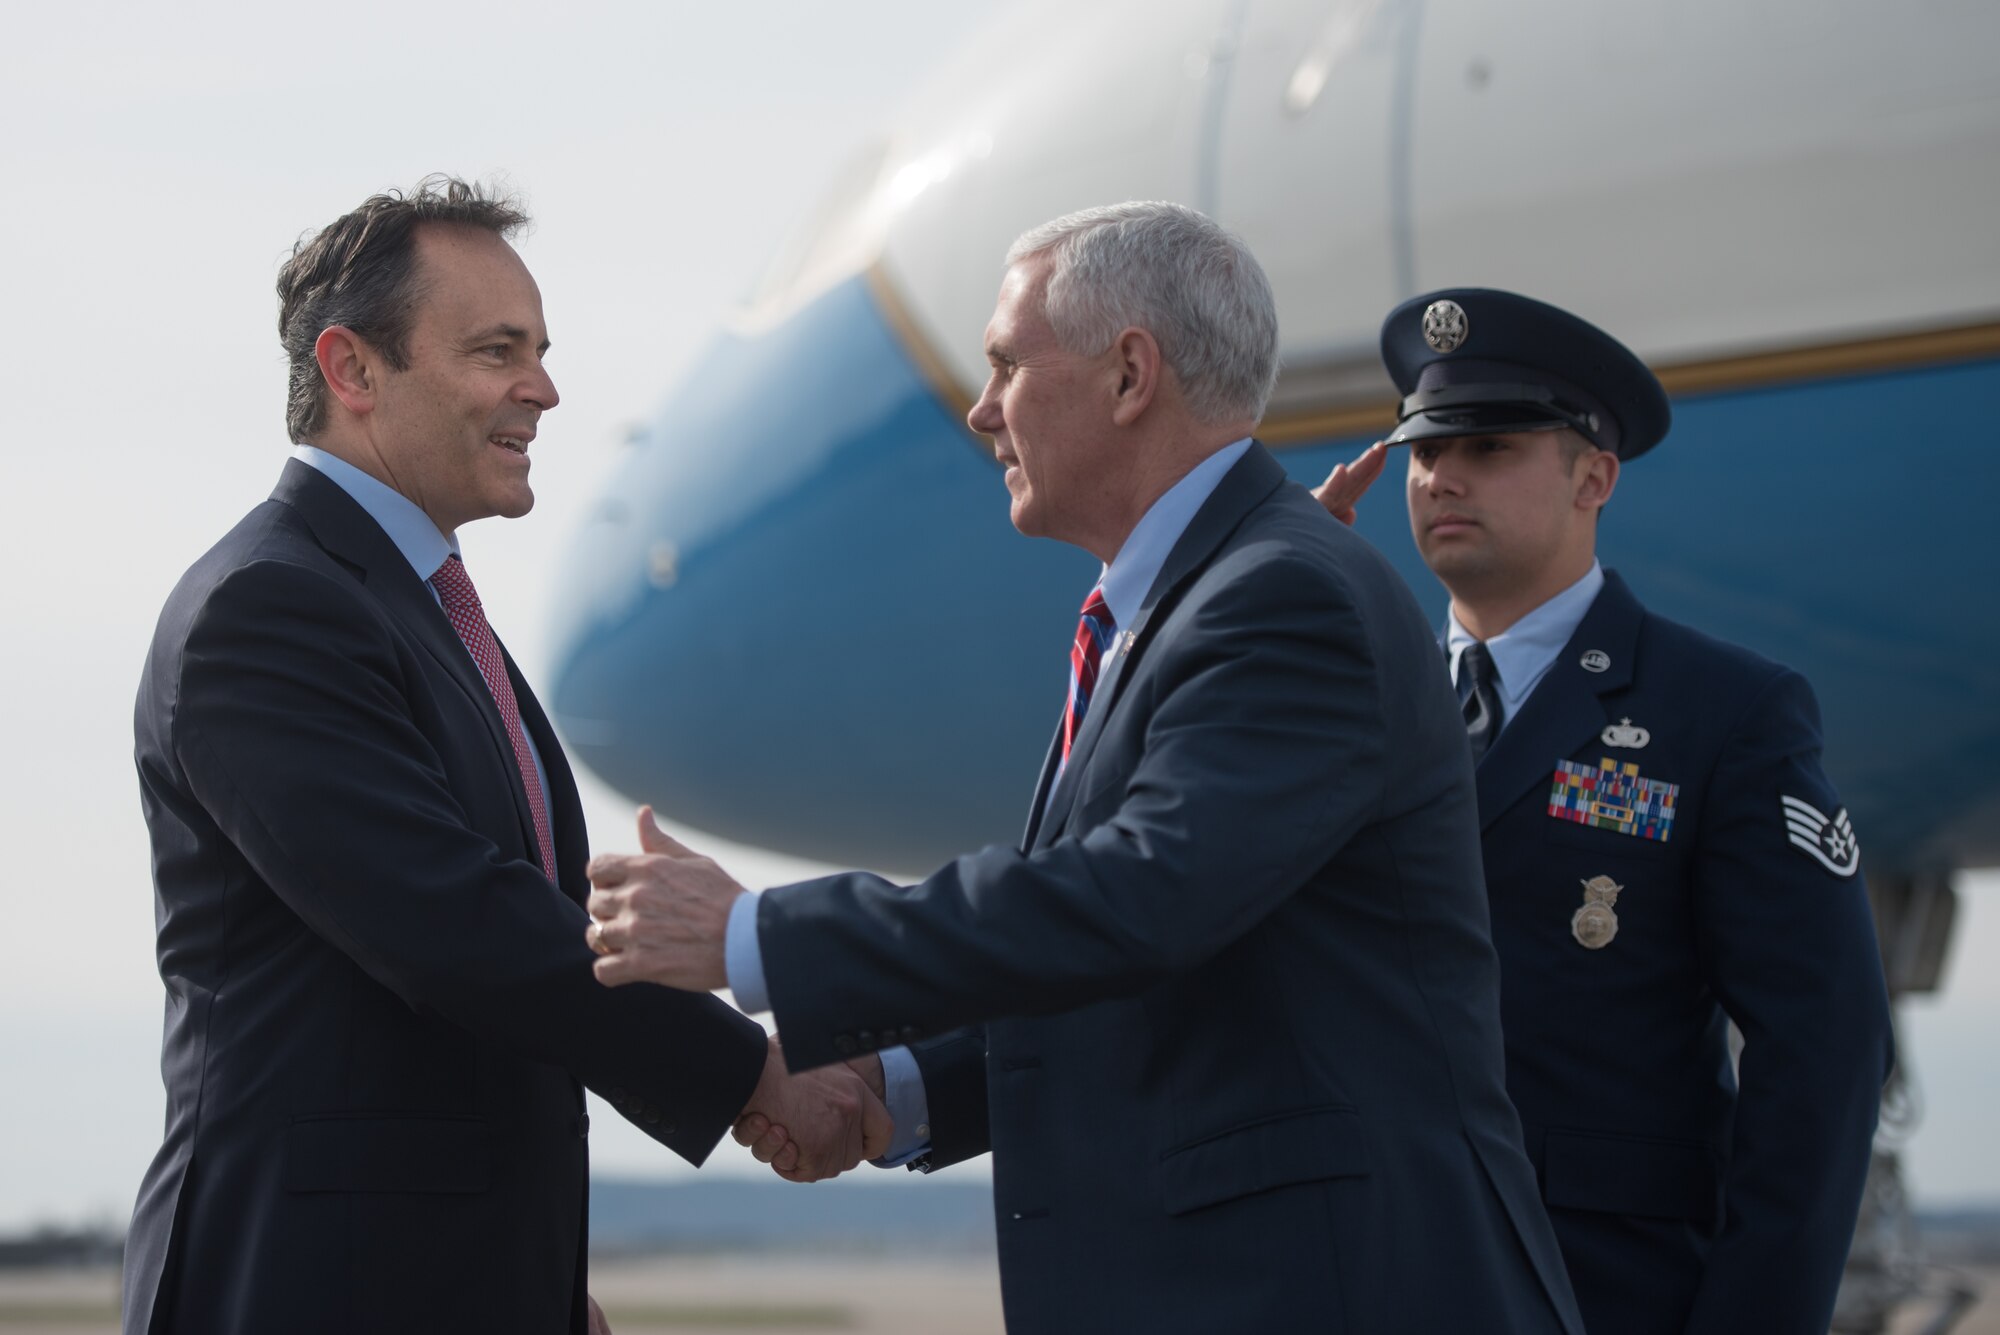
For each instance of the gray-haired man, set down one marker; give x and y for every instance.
(1235, 1041)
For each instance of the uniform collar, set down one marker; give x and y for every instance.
(1524, 652)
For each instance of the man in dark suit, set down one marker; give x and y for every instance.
(1232, 1002)
(1663, 851)
(368, 856)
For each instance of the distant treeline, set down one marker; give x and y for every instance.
(44, 1247)
(733, 1215)
(737, 1215)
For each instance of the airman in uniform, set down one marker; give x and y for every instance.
(1663, 852)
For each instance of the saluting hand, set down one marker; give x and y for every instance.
(1347, 483)
(661, 915)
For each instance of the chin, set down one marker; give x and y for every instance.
(1447, 560)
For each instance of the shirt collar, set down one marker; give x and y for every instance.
(415, 536)
(1525, 651)
(1130, 575)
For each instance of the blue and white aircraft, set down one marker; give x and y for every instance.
(800, 618)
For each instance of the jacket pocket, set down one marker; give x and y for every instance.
(1276, 1152)
(1661, 1179)
(365, 1152)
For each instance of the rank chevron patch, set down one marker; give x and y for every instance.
(1830, 841)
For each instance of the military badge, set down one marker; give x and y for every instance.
(1445, 326)
(1623, 733)
(1614, 797)
(1595, 923)
(1829, 841)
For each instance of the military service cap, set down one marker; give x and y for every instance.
(1475, 361)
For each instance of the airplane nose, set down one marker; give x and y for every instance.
(769, 619)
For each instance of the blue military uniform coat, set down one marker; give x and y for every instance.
(1686, 1197)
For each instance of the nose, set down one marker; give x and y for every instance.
(539, 391)
(1438, 477)
(985, 416)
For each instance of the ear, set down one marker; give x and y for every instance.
(348, 365)
(1135, 358)
(1598, 479)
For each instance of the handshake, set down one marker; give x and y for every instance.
(662, 916)
(817, 1124)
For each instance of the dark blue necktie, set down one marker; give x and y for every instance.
(1479, 693)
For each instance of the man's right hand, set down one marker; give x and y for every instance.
(1346, 484)
(817, 1124)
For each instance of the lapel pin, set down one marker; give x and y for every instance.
(1623, 733)
(1596, 660)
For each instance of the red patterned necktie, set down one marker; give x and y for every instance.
(468, 618)
(1094, 629)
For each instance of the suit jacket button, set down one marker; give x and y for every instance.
(866, 1040)
(844, 1044)
(911, 1033)
(583, 1126)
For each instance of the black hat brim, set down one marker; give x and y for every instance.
(1485, 419)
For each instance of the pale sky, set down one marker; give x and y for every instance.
(158, 164)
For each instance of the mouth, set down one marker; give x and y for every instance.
(511, 444)
(1445, 525)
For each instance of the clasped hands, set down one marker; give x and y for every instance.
(662, 916)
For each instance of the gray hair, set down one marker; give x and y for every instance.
(1176, 274)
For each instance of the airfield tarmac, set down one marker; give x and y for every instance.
(739, 1296)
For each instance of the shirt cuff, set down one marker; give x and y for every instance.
(909, 1107)
(743, 956)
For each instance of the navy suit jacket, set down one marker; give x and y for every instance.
(1243, 1065)
(378, 1008)
(1687, 1197)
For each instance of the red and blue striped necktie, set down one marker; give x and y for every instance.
(1094, 629)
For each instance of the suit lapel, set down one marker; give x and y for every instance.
(1567, 708)
(1244, 487)
(1041, 802)
(349, 533)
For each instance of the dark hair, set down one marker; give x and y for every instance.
(360, 271)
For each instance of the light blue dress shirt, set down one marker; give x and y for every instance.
(415, 536)
(1525, 651)
(1125, 583)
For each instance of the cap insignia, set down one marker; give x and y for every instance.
(1445, 326)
